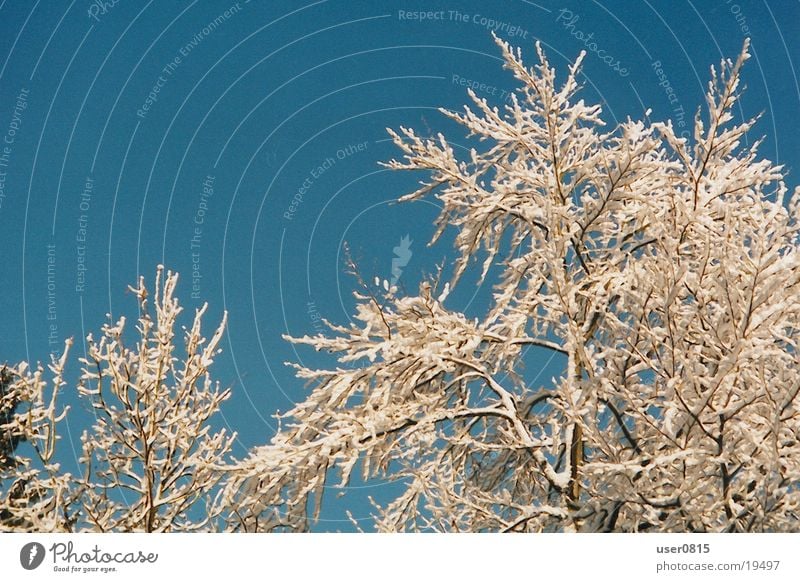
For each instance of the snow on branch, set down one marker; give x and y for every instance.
(151, 462)
(663, 271)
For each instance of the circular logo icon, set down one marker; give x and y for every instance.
(31, 555)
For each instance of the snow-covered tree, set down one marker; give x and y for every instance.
(663, 272)
(151, 462)
(9, 401)
(34, 493)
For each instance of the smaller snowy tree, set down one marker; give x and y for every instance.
(34, 493)
(152, 462)
(9, 401)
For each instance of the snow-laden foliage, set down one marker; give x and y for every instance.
(151, 461)
(662, 271)
(33, 490)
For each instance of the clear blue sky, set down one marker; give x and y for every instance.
(280, 109)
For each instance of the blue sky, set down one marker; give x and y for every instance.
(238, 143)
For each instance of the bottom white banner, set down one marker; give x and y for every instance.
(406, 557)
